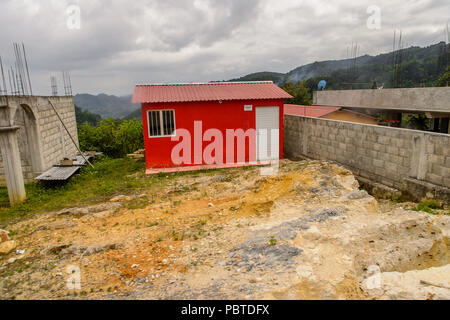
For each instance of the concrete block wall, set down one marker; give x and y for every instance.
(54, 141)
(383, 155)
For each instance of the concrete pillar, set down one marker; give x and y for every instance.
(12, 164)
(435, 125)
(445, 125)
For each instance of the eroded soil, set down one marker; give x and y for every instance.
(306, 233)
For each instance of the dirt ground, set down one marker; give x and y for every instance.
(307, 232)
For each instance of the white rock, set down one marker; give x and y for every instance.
(312, 233)
(432, 283)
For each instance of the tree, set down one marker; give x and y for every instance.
(299, 91)
(416, 122)
(83, 116)
(114, 137)
(444, 80)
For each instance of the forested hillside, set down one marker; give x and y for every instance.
(410, 67)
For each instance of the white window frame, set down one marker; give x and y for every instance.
(161, 123)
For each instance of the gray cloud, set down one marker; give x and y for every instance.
(121, 43)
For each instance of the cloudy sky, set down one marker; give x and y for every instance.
(116, 44)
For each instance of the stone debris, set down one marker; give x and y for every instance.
(120, 198)
(82, 211)
(54, 249)
(427, 284)
(84, 250)
(4, 236)
(264, 256)
(358, 194)
(7, 247)
(12, 260)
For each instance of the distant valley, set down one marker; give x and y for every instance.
(106, 105)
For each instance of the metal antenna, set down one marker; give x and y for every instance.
(69, 82)
(5, 89)
(17, 79)
(54, 86)
(64, 82)
(13, 76)
(19, 69)
(393, 60)
(26, 66)
(10, 83)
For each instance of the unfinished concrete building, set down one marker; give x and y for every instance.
(387, 159)
(433, 102)
(33, 139)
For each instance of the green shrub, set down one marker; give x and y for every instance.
(272, 241)
(83, 116)
(115, 138)
(444, 80)
(428, 206)
(299, 91)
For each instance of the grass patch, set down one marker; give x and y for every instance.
(431, 206)
(137, 204)
(272, 241)
(110, 177)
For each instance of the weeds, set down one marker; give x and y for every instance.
(272, 241)
(431, 206)
(137, 204)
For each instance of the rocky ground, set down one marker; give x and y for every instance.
(306, 233)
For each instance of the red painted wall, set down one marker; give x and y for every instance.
(222, 116)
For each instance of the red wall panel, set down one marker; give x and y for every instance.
(213, 115)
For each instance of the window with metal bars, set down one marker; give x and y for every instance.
(161, 123)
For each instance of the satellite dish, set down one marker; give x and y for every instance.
(322, 85)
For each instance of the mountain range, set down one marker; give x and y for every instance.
(106, 105)
(366, 68)
(415, 66)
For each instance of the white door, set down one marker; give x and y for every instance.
(267, 133)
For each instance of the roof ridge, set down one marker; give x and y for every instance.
(204, 83)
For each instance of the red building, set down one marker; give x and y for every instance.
(211, 123)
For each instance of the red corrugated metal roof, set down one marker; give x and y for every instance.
(309, 111)
(208, 92)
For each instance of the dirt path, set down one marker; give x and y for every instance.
(306, 233)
